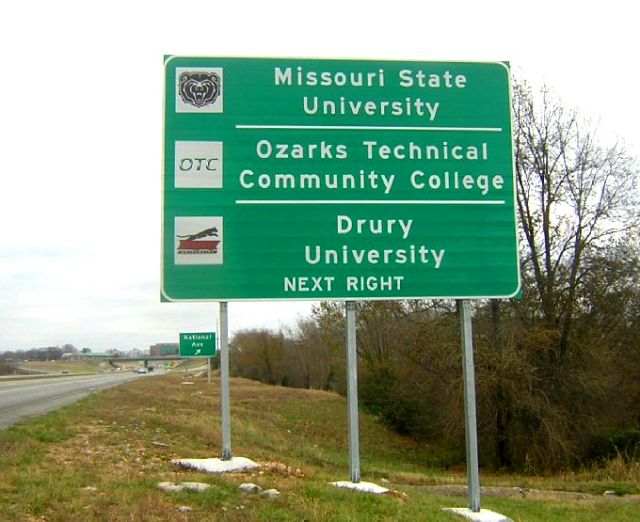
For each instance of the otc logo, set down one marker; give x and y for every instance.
(198, 240)
(199, 90)
(198, 164)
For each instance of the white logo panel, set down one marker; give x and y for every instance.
(198, 240)
(199, 90)
(198, 164)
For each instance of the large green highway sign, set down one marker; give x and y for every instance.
(333, 179)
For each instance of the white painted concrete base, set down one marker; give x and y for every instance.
(364, 487)
(484, 515)
(217, 465)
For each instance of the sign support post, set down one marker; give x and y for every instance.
(352, 392)
(224, 381)
(471, 430)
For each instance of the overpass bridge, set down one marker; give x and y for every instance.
(146, 358)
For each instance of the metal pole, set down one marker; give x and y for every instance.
(352, 392)
(224, 381)
(471, 430)
(209, 370)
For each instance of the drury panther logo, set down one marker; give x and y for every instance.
(198, 240)
(199, 88)
(196, 244)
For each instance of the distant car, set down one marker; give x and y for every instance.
(65, 371)
(141, 370)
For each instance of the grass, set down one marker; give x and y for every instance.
(101, 459)
(69, 366)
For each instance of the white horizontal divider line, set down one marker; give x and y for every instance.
(367, 127)
(365, 202)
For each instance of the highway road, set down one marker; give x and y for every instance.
(20, 399)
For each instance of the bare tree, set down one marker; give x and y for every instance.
(572, 195)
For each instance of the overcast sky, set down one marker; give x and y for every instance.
(81, 127)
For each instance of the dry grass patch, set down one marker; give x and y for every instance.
(102, 458)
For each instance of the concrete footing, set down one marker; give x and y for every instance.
(213, 465)
(484, 515)
(363, 487)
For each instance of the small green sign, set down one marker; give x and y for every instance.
(200, 344)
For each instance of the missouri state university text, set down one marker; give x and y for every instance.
(342, 105)
(398, 106)
(406, 78)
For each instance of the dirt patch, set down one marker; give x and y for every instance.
(531, 494)
(280, 469)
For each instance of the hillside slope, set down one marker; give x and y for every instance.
(102, 459)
